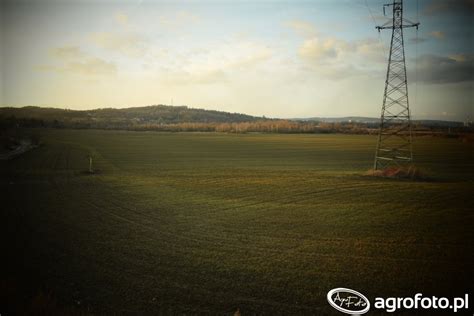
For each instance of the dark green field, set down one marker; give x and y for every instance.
(208, 223)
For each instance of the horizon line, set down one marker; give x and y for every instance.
(414, 118)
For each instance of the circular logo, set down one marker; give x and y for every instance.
(348, 301)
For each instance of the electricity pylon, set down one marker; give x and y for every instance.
(394, 142)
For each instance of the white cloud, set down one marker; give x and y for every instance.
(130, 44)
(321, 49)
(90, 67)
(218, 65)
(335, 58)
(67, 52)
(178, 20)
(210, 76)
(75, 61)
(121, 18)
(371, 50)
(303, 28)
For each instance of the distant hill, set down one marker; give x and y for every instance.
(155, 114)
(185, 119)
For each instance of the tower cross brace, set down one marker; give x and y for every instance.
(394, 145)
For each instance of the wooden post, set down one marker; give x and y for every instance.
(90, 164)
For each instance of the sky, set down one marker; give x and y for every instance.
(281, 59)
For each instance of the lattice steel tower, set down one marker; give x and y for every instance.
(394, 141)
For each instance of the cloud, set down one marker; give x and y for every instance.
(129, 44)
(121, 18)
(89, 67)
(334, 58)
(203, 77)
(218, 65)
(443, 6)
(178, 20)
(303, 28)
(326, 50)
(321, 49)
(253, 54)
(415, 40)
(433, 69)
(370, 49)
(75, 61)
(438, 34)
(67, 52)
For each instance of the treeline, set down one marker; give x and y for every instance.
(259, 126)
(165, 118)
(267, 126)
(184, 119)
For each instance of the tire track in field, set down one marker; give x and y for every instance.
(215, 278)
(150, 215)
(310, 255)
(195, 238)
(323, 193)
(141, 215)
(297, 193)
(227, 247)
(285, 201)
(231, 245)
(270, 200)
(318, 193)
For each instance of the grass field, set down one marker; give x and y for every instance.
(208, 223)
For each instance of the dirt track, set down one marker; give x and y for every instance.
(24, 146)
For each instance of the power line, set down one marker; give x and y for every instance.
(416, 55)
(370, 11)
(375, 24)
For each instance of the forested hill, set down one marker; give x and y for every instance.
(184, 119)
(153, 115)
